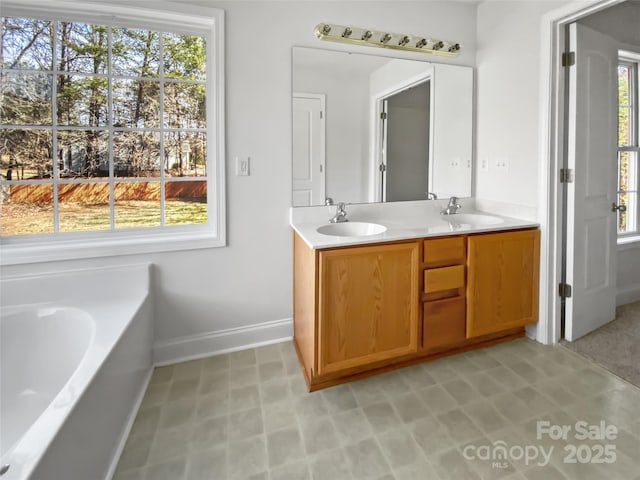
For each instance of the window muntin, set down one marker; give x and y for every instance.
(628, 178)
(128, 127)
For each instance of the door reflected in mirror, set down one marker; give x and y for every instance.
(368, 128)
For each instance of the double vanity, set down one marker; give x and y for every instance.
(399, 283)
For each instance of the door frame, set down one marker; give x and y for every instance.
(321, 97)
(553, 148)
(375, 128)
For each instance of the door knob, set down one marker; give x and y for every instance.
(618, 208)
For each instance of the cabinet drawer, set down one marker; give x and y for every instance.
(439, 252)
(444, 323)
(444, 279)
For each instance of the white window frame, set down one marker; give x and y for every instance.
(77, 245)
(633, 58)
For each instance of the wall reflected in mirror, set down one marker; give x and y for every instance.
(369, 128)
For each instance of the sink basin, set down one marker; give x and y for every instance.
(474, 219)
(351, 229)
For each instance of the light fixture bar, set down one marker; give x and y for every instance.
(375, 38)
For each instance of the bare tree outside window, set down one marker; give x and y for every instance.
(102, 127)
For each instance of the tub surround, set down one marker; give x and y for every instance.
(80, 423)
(403, 220)
(429, 285)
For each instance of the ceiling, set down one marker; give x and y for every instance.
(621, 22)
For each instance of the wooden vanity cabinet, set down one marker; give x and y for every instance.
(502, 291)
(444, 305)
(354, 307)
(370, 308)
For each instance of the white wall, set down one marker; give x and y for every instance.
(508, 102)
(628, 280)
(250, 281)
(347, 136)
(387, 78)
(452, 146)
(620, 22)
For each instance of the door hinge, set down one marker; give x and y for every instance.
(383, 167)
(566, 175)
(383, 115)
(321, 115)
(568, 59)
(564, 290)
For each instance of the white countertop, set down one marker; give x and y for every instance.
(404, 220)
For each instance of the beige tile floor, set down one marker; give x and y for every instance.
(248, 415)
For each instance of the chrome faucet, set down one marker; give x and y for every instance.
(452, 207)
(431, 196)
(341, 214)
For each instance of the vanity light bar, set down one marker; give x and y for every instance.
(375, 38)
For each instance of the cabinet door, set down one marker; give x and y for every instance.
(368, 308)
(502, 281)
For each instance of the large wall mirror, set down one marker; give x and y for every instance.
(369, 128)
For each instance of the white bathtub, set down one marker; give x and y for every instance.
(75, 355)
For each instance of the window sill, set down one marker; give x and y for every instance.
(92, 247)
(628, 243)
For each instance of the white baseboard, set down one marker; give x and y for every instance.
(222, 341)
(628, 294)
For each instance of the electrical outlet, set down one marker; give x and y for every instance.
(502, 164)
(242, 167)
(484, 164)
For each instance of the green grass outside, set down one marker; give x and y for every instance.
(29, 218)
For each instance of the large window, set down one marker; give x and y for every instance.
(628, 147)
(105, 127)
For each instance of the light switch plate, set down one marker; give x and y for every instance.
(242, 167)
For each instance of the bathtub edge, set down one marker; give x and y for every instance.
(126, 430)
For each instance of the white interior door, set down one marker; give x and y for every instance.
(591, 223)
(308, 149)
